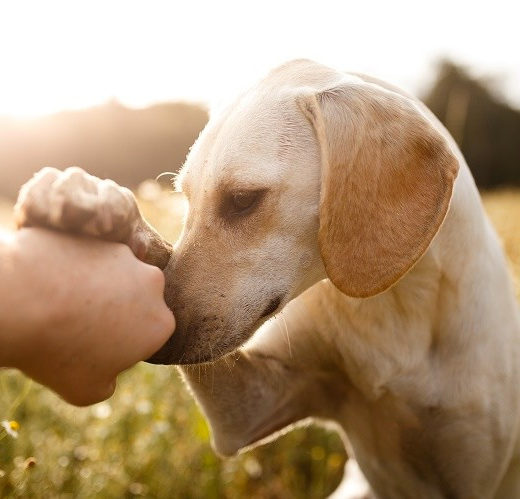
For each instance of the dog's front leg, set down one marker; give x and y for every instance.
(275, 381)
(246, 397)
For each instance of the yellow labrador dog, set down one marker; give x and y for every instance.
(342, 201)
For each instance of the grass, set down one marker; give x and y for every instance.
(150, 440)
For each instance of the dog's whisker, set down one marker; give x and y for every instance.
(226, 362)
(286, 334)
(173, 174)
(212, 368)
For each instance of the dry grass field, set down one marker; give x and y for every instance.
(149, 440)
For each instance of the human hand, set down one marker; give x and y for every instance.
(75, 312)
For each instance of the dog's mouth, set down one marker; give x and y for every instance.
(192, 343)
(272, 306)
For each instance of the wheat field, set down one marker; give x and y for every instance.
(149, 439)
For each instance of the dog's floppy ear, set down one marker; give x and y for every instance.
(387, 180)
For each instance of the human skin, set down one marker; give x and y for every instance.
(75, 312)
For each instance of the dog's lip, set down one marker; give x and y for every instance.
(272, 306)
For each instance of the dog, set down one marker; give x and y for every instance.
(342, 201)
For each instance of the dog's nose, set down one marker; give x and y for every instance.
(170, 351)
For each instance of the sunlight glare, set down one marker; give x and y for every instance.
(66, 55)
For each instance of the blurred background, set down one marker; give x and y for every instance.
(122, 89)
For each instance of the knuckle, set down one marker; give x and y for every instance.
(139, 244)
(74, 170)
(109, 389)
(46, 175)
(156, 276)
(161, 328)
(32, 206)
(91, 395)
(80, 399)
(169, 321)
(123, 251)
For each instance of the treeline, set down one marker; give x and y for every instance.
(486, 129)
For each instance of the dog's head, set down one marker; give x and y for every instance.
(311, 174)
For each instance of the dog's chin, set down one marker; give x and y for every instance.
(179, 350)
(167, 357)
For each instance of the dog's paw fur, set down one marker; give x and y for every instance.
(75, 201)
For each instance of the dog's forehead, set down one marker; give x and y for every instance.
(253, 139)
(242, 147)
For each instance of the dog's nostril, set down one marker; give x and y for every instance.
(272, 306)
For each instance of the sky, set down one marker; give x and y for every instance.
(57, 55)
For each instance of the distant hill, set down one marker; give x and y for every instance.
(486, 129)
(110, 141)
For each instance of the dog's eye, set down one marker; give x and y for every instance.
(240, 203)
(242, 200)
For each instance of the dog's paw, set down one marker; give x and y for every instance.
(75, 201)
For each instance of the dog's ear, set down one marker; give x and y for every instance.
(387, 180)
